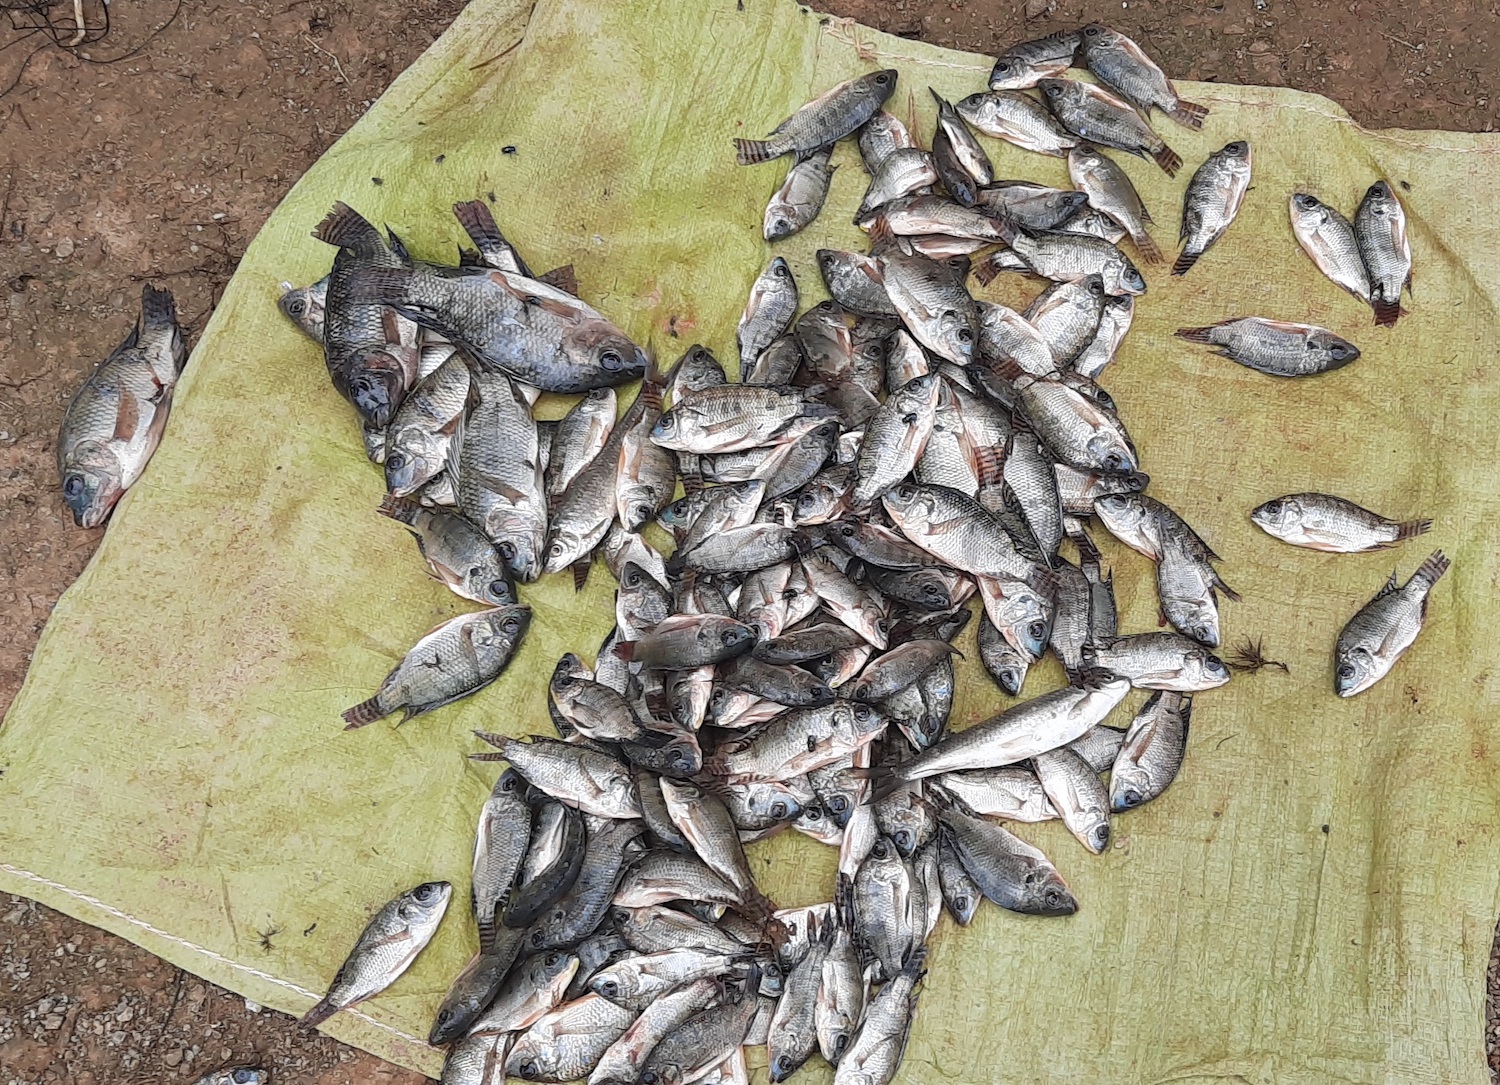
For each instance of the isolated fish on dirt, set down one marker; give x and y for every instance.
(1276, 347)
(1017, 118)
(1027, 63)
(462, 655)
(1110, 190)
(1328, 239)
(822, 121)
(1124, 67)
(385, 949)
(1332, 524)
(800, 197)
(1385, 627)
(1213, 200)
(115, 421)
(1380, 230)
(1153, 750)
(1094, 114)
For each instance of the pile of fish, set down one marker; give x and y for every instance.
(883, 459)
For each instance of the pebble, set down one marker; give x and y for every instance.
(65, 248)
(172, 1058)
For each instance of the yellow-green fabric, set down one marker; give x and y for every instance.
(1311, 902)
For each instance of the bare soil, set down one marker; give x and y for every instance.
(158, 150)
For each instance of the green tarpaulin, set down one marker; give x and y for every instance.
(1312, 901)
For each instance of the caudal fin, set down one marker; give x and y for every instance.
(479, 223)
(365, 712)
(1410, 529)
(1146, 245)
(1433, 568)
(1189, 114)
(989, 466)
(399, 508)
(158, 309)
(348, 229)
(1186, 260)
(1169, 160)
(581, 572)
(1196, 335)
(987, 269)
(1386, 313)
(317, 1015)
(748, 152)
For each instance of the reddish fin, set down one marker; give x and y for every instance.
(581, 572)
(348, 229)
(1146, 245)
(1433, 568)
(987, 270)
(880, 230)
(989, 465)
(1411, 529)
(317, 1015)
(1189, 114)
(1186, 260)
(1008, 368)
(1169, 160)
(399, 508)
(1386, 313)
(562, 278)
(748, 152)
(365, 712)
(625, 649)
(479, 223)
(1043, 580)
(1196, 335)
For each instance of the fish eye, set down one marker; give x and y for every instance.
(846, 530)
(1238, 147)
(1002, 66)
(296, 306)
(780, 270)
(1113, 462)
(241, 1076)
(1101, 835)
(611, 359)
(861, 713)
(883, 78)
(1273, 508)
(424, 892)
(1133, 277)
(729, 637)
(778, 810)
(1053, 898)
(643, 512)
(965, 335)
(805, 501)
(1037, 629)
(508, 551)
(903, 839)
(609, 988)
(72, 486)
(667, 422)
(511, 624)
(880, 850)
(556, 548)
(1054, 90)
(551, 959)
(1091, 31)
(784, 1064)
(812, 813)
(838, 804)
(529, 1069)
(841, 1041)
(1340, 351)
(650, 1077)
(1132, 797)
(1346, 670)
(537, 938)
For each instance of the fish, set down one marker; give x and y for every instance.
(1030, 475)
(500, 842)
(579, 438)
(1143, 523)
(547, 875)
(768, 313)
(458, 553)
(1063, 257)
(304, 306)
(1075, 429)
(905, 819)
(841, 995)
(689, 640)
(958, 531)
(1008, 871)
(697, 368)
(1213, 200)
(854, 281)
(246, 1075)
(1095, 115)
(1380, 231)
(635, 982)
(1034, 206)
(115, 421)
(800, 197)
(960, 160)
(369, 349)
(1384, 628)
(475, 987)
(1010, 792)
(704, 821)
(899, 668)
(657, 929)
(794, 1032)
(1152, 752)
(662, 877)
(1110, 190)
(806, 644)
(1077, 794)
(1276, 347)
(1006, 664)
(823, 121)
(645, 475)
(621, 1063)
(1328, 239)
(498, 474)
(611, 846)
(798, 741)
(1006, 334)
(1067, 315)
(735, 417)
(880, 1045)
(1334, 525)
(580, 776)
(1026, 63)
(1123, 66)
(884, 916)
(535, 987)
(457, 658)
(1114, 325)
(478, 1059)
(905, 171)
(422, 436)
(914, 216)
(568, 1042)
(932, 302)
(1019, 119)
(705, 1039)
(533, 332)
(895, 438)
(879, 136)
(1187, 585)
(1168, 661)
(740, 550)
(1069, 633)
(385, 949)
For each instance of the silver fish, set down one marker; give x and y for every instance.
(800, 197)
(498, 474)
(1026, 63)
(579, 438)
(458, 553)
(1276, 347)
(1019, 119)
(1328, 239)
(1332, 524)
(855, 282)
(499, 849)
(768, 312)
(567, 1043)
(1009, 871)
(1124, 67)
(1213, 200)
(1077, 795)
(895, 438)
(581, 777)
(823, 121)
(1110, 190)
(906, 171)
(960, 160)
(1385, 627)
(1094, 114)
(1380, 230)
(304, 306)
(879, 136)
(1010, 793)
(1114, 324)
(622, 1061)
(877, 1050)
(1153, 750)
(422, 436)
(1168, 661)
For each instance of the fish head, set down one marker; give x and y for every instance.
(303, 306)
(490, 582)
(551, 972)
(669, 430)
(1238, 151)
(1195, 616)
(426, 903)
(1046, 893)
(1339, 351)
(377, 384)
(1095, 34)
(779, 224)
(1309, 208)
(1053, 90)
(597, 345)
(619, 982)
(519, 551)
(1011, 673)
(1355, 670)
(506, 625)
(880, 84)
(529, 1059)
(1279, 517)
(726, 633)
(1109, 452)
(774, 801)
(1125, 515)
(831, 262)
(1129, 785)
(413, 456)
(92, 485)
(907, 503)
(1127, 279)
(1204, 669)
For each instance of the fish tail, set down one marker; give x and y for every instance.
(487, 756)
(492, 739)
(158, 308)
(880, 230)
(1185, 260)
(562, 278)
(399, 508)
(348, 229)
(1432, 570)
(1229, 593)
(625, 649)
(1386, 313)
(486, 933)
(1190, 114)
(749, 152)
(366, 712)
(479, 223)
(986, 270)
(692, 476)
(317, 1015)
(1196, 335)
(1169, 160)
(989, 465)
(1410, 529)
(581, 572)
(1148, 248)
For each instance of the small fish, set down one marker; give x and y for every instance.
(1063, 257)
(899, 669)
(697, 368)
(913, 216)
(459, 657)
(736, 417)
(1094, 114)
(1168, 661)
(1005, 333)
(475, 987)
(1214, 197)
(895, 438)
(458, 553)
(1011, 793)
(551, 868)
(567, 1043)
(535, 987)
(1123, 66)
(1030, 474)
(245, 1075)
(645, 475)
(580, 436)
(1187, 585)
(1034, 206)
(304, 306)
(1144, 523)
(1110, 190)
(1077, 794)
(879, 136)
(498, 473)
(477, 1060)
(635, 982)
(933, 303)
(580, 776)
(1276, 347)
(385, 949)
(1332, 524)
(884, 913)
(1114, 324)
(689, 640)
(1067, 315)
(855, 282)
(115, 421)
(907, 171)
(1385, 627)
(1328, 239)
(1019, 119)
(1153, 750)
(1027, 63)
(1009, 871)
(841, 996)
(421, 438)
(610, 847)
(958, 531)
(823, 121)
(1075, 428)
(876, 1053)
(800, 197)
(499, 849)
(1380, 230)
(1005, 664)
(960, 160)
(621, 1063)
(704, 1040)
(768, 313)
(794, 1029)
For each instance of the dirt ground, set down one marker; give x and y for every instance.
(158, 151)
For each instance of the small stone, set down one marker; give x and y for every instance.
(1234, 28)
(1260, 45)
(172, 1058)
(52, 1022)
(65, 248)
(253, 1007)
